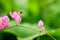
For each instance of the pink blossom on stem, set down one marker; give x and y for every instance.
(16, 16)
(42, 29)
(41, 24)
(4, 22)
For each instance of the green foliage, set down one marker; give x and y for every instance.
(28, 32)
(6, 6)
(33, 11)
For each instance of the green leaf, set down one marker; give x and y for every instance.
(27, 31)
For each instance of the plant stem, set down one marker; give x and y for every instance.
(38, 31)
(30, 28)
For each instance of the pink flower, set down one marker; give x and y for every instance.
(41, 24)
(16, 16)
(5, 19)
(18, 19)
(1, 24)
(4, 22)
(42, 29)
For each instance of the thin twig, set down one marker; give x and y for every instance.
(30, 28)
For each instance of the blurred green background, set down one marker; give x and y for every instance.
(33, 11)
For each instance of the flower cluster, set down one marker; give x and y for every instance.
(4, 22)
(41, 24)
(16, 16)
